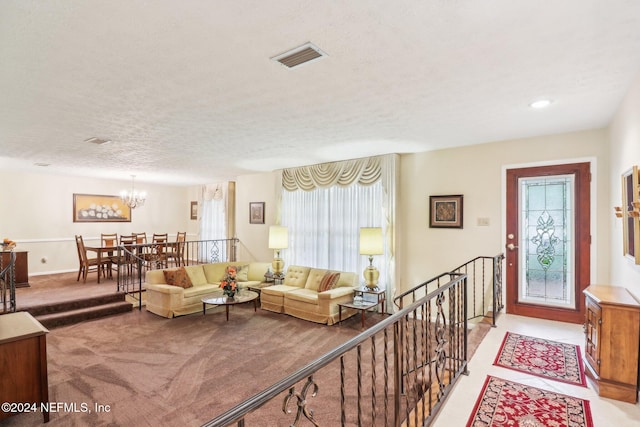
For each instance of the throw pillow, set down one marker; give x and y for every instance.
(177, 277)
(242, 272)
(328, 281)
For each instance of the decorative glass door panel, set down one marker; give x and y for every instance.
(546, 241)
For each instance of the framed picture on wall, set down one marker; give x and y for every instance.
(194, 210)
(98, 208)
(630, 212)
(445, 211)
(256, 213)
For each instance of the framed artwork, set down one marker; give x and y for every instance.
(194, 210)
(630, 213)
(256, 213)
(445, 211)
(99, 208)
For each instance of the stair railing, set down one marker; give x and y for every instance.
(397, 372)
(485, 284)
(133, 261)
(8, 282)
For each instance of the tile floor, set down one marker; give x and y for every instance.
(457, 409)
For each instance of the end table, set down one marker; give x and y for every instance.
(380, 294)
(363, 307)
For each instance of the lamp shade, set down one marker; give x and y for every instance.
(278, 237)
(371, 242)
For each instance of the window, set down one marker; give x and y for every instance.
(324, 225)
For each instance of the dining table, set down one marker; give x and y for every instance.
(152, 252)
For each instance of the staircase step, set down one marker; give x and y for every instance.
(52, 320)
(42, 309)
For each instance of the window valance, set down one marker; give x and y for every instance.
(363, 171)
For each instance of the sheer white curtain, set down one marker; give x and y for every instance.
(217, 210)
(213, 218)
(324, 225)
(324, 222)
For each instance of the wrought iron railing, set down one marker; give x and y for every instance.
(397, 372)
(485, 286)
(8, 282)
(133, 261)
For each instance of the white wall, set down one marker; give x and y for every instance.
(254, 238)
(36, 210)
(624, 153)
(477, 173)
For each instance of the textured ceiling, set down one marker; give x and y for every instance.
(187, 93)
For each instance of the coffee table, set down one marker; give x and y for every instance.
(240, 298)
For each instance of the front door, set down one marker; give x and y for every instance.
(548, 241)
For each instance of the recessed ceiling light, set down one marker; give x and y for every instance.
(42, 164)
(540, 103)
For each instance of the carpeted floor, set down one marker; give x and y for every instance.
(150, 370)
(52, 288)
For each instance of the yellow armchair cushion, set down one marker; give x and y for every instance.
(296, 276)
(215, 272)
(196, 274)
(314, 279)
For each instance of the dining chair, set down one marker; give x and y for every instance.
(87, 265)
(141, 238)
(109, 240)
(142, 251)
(175, 252)
(159, 248)
(126, 259)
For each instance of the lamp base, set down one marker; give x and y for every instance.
(371, 275)
(278, 266)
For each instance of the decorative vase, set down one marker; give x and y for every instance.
(230, 294)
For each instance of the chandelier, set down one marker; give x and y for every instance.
(133, 199)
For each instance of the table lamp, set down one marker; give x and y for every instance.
(371, 243)
(278, 239)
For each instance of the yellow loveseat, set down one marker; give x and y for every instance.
(298, 295)
(171, 301)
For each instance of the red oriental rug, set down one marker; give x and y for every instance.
(544, 358)
(506, 403)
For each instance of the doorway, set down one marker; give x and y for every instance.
(548, 241)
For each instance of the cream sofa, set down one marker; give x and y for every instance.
(170, 301)
(298, 295)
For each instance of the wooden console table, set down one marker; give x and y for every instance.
(23, 362)
(612, 330)
(22, 267)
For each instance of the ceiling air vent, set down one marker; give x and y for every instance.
(300, 55)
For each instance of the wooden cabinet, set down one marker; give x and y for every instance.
(23, 362)
(612, 328)
(22, 267)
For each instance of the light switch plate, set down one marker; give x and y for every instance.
(483, 222)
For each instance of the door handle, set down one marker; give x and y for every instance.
(511, 247)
